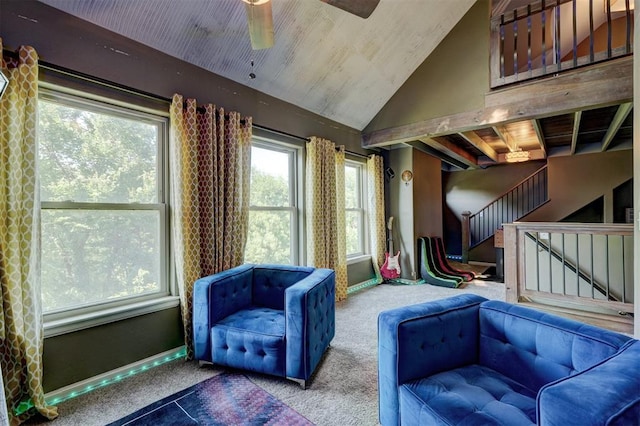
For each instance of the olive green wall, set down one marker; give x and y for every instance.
(453, 79)
(401, 208)
(575, 181)
(73, 357)
(636, 176)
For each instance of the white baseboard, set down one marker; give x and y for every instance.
(105, 379)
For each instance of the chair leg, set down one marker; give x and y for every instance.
(302, 383)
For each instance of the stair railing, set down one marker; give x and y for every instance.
(583, 269)
(512, 205)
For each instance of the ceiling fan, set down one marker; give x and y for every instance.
(260, 18)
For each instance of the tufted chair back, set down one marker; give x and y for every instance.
(559, 348)
(271, 281)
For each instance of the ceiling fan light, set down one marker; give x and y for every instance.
(260, 23)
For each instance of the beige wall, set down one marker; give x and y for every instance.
(454, 78)
(575, 181)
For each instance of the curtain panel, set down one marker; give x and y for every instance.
(21, 330)
(210, 158)
(325, 209)
(376, 210)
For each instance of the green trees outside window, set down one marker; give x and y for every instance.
(102, 203)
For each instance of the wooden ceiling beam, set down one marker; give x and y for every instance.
(621, 115)
(504, 135)
(603, 84)
(479, 143)
(540, 136)
(452, 150)
(577, 116)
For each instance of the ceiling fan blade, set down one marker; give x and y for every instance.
(260, 23)
(361, 8)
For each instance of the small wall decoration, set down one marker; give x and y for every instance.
(407, 175)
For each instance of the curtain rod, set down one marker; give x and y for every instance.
(123, 88)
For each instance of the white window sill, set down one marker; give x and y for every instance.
(104, 316)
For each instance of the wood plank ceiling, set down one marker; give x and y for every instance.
(325, 60)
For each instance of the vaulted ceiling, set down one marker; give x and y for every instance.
(324, 59)
(346, 68)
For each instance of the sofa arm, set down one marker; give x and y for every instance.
(420, 340)
(310, 321)
(605, 394)
(215, 297)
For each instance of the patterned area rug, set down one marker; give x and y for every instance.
(226, 399)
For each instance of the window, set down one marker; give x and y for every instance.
(273, 211)
(103, 205)
(354, 204)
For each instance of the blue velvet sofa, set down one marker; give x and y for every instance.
(271, 319)
(465, 360)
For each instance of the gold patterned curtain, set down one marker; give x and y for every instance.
(210, 157)
(375, 191)
(326, 226)
(21, 333)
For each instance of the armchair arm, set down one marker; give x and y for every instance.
(310, 321)
(420, 340)
(215, 297)
(605, 394)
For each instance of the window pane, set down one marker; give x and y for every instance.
(269, 238)
(352, 187)
(87, 156)
(93, 256)
(270, 178)
(354, 232)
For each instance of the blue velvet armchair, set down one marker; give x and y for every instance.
(271, 319)
(466, 360)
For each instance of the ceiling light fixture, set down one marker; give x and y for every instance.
(517, 156)
(260, 22)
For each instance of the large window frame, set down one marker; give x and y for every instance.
(295, 208)
(71, 319)
(359, 209)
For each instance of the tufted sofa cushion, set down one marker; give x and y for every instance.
(469, 395)
(252, 339)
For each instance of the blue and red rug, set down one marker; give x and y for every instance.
(226, 399)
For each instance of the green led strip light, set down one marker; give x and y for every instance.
(365, 284)
(25, 406)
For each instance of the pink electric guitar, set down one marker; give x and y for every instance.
(391, 267)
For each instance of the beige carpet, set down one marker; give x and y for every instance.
(343, 391)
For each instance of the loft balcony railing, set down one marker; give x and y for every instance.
(580, 269)
(550, 36)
